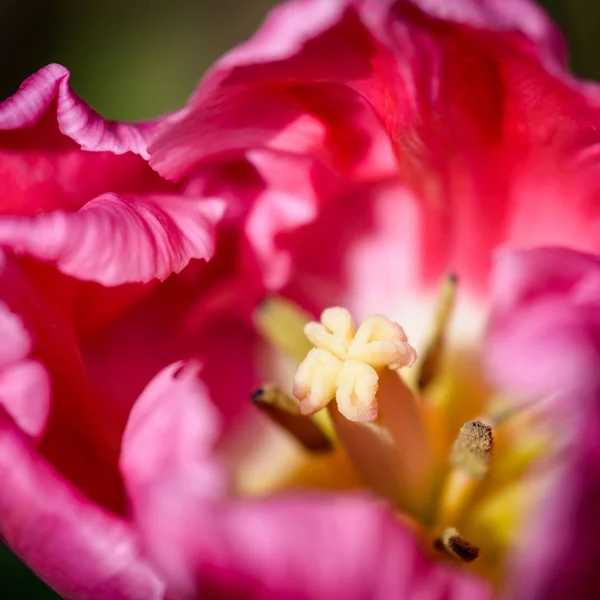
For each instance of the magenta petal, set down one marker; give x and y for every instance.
(175, 410)
(15, 342)
(286, 29)
(523, 16)
(118, 239)
(166, 461)
(321, 547)
(75, 118)
(544, 344)
(543, 340)
(559, 555)
(24, 383)
(25, 393)
(77, 548)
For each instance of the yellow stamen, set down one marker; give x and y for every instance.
(473, 449)
(430, 365)
(470, 460)
(281, 322)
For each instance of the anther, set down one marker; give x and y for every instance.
(473, 449)
(455, 545)
(285, 411)
(470, 460)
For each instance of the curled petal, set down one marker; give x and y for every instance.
(117, 239)
(75, 118)
(173, 409)
(79, 549)
(167, 464)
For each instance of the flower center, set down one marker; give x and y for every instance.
(362, 417)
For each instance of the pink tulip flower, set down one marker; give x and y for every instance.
(365, 155)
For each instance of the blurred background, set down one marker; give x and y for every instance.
(135, 59)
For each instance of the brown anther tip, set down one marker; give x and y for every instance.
(450, 542)
(462, 549)
(285, 411)
(473, 448)
(256, 395)
(452, 278)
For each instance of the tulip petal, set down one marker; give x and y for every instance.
(558, 556)
(544, 345)
(75, 118)
(55, 152)
(543, 340)
(25, 393)
(167, 443)
(321, 547)
(117, 239)
(24, 382)
(465, 92)
(79, 549)
(520, 16)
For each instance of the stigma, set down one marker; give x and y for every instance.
(345, 363)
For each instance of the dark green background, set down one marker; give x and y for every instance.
(135, 59)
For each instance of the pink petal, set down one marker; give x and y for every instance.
(25, 394)
(56, 408)
(175, 410)
(79, 549)
(457, 101)
(558, 556)
(285, 30)
(372, 245)
(544, 344)
(16, 344)
(319, 547)
(297, 547)
(523, 16)
(24, 383)
(115, 239)
(541, 341)
(75, 118)
(319, 119)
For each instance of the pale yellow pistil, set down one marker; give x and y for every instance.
(345, 363)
